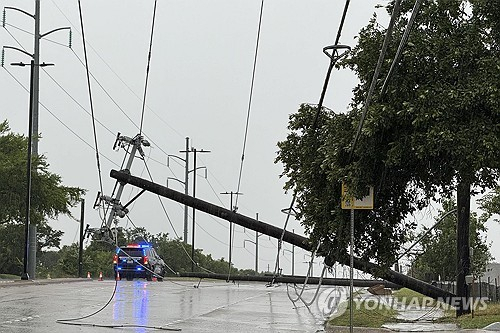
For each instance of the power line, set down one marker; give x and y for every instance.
(100, 85)
(62, 88)
(133, 92)
(376, 74)
(402, 44)
(116, 74)
(32, 34)
(61, 122)
(332, 64)
(250, 101)
(215, 192)
(320, 106)
(90, 98)
(147, 69)
(77, 103)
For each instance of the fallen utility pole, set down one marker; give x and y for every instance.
(292, 279)
(289, 237)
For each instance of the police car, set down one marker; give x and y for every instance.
(138, 260)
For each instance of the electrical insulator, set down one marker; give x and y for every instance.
(3, 57)
(70, 38)
(3, 18)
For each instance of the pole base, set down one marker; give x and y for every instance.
(25, 276)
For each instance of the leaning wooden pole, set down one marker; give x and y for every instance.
(289, 237)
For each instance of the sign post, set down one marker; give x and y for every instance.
(349, 202)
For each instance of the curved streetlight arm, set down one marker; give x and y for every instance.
(168, 159)
(201, 167)
(20, 10)
(172, 178)
(54, 30)
(17, 49)
(307, 254)
(247, 240)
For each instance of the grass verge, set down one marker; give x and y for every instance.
(408, 296)
(366, 313)
(485, 314)
(9, 277)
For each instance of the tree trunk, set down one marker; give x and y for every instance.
(463, 254)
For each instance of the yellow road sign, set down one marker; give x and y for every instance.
(352, 203)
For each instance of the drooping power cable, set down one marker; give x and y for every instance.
(402, 44)
(249, 101)
(376, 74)
(90, 97)
(147, 68)
(320, 106)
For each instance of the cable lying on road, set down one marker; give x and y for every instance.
(73, 321)
(123, 326)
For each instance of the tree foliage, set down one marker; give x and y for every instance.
(437, 126)
(49, 199)
(490, 203)
(441, 245)
(98, 256)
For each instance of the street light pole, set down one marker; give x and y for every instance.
(30, 257)
(185, 183)
(36, 76)
(25, 275)
(194, 211)
(80, 246)
(257, 247)
(194, 151)
(186, 190)
(28, 266)
(257, 235)
(234, 209)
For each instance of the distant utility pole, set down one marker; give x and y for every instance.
(30, 258)
(195, 152)
(257, 235)
(185, 183)
(234, 209)
(80, 247)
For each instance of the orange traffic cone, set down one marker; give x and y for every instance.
(117, 276)
(88, 275)
(100, 276)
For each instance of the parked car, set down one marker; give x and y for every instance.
(138, 260)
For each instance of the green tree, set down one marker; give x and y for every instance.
(435, 131)
(49, 199)
(441, 245)
(490, 203)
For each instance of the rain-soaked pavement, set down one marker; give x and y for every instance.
(176, 305)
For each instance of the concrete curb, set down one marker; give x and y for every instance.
(345, 329)
(20, 283)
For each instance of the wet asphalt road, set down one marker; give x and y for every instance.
(213, 307)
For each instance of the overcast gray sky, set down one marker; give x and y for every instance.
(199, 86)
